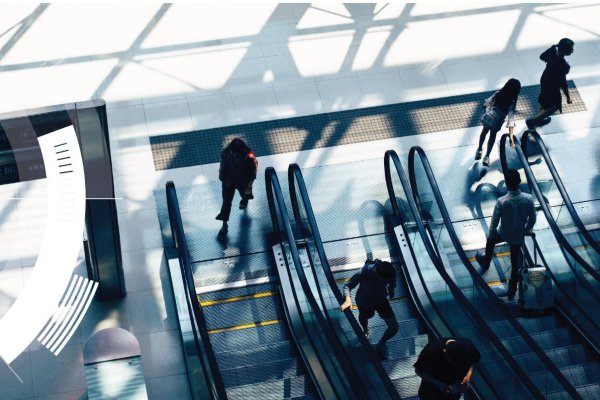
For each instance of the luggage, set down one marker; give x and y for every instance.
(535, 286)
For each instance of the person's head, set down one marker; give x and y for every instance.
(384, 269)
(565, 46)
(509, 93)
(460, 352)
(237, 145)
(512, 179)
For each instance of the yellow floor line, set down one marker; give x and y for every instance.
(245, 326)
(209, 303)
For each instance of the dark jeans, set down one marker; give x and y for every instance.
(227, 193)
(515, 258)
(386, 313)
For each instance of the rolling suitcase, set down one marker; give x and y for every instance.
(535, 286)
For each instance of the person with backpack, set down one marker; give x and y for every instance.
(498, 107)
(237, 171)
(515, 212)
(553, 80)
(376, 280)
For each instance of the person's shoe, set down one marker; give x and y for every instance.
(243, 204)
(222, 233)
(381, 352)
(478, 154)
(512, 291)
(486, 160)
(530, 123)
(481, 260)
(545, 121)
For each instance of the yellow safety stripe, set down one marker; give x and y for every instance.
(245, 326)
(234, 299)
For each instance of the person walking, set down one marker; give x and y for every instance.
(446, 366)
(515, 212)
(237, 171)
(376, 280)
(553, 80)
(498, 107)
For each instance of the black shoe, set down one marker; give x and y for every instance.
(545, 121)
(486, 161)
(481, 260)
(478, 154)
(222, 233)
(243, 204)
(530, 124)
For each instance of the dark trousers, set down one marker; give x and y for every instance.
(515, 258)
(227, 192)
(491, 139)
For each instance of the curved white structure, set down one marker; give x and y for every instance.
(62, 240)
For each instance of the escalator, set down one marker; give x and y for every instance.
(569, 352)
(240, 336)
(579, 222)
(347, 358)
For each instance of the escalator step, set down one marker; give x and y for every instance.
(583, 374)
(547, 340)
(561, 357)
(589, 391)
(539, 324)
(246, 338)
(406, 347)
(546, 382)
(242, 312)
(403, 368)
(297, 387)
(248, 375)
(407, 387)
(255, 355)
(238, 292)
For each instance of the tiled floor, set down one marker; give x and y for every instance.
(166, 68)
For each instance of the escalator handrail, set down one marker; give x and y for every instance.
(559, 185)
(297, 186)
(456, 292)
(500, 305)
(277, 203)
(215, 388)
(562, 241)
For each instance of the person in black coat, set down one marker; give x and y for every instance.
(237, 172)
(553, 80)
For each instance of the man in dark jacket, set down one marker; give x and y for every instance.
(237, 172)
(445, 367)
(554, 79)
(515, 212)
(377, 280)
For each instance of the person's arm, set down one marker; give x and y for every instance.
(495, 218)
(531, 217)
(467, 379)
(427, 377)
(352, 283)
(510, 122)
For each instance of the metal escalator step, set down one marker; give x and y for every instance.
(296, 387)
(583, 374)
(400, 368)
(589, 391)
(255, 355)
(232, 269)
(561, 357)
(546, 382)
(272, 371)
(546, 340)
(222, 295)
(242, 312)
(407, 387)
(251, 337)
(406, 347)
(539, 324)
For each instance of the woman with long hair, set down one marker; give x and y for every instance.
(499, 107)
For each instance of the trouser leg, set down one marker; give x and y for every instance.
(364, 322)
(515, 261)
(490, 144)
(484, 132)
(227, 193)
(392, 329)
(491, 242)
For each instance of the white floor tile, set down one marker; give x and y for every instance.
(381, 88)
(298, 99)
(498, 71)
(173, 386)
(212, 111)
(127, 122)
(145, 269)
(274, 39)
(339, 94)
(464, 77)
(54, 374)
(283, 71)
(168, 117)
(151, 310)
(139, 230)
(249, 75)
(161, 354)
(423, 83)
(258, 105)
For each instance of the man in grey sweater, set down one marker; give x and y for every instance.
(377, 280)
(515, 212)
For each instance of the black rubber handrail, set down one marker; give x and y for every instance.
(559, 185)
(213, 383)
(456, 292)
(477, 279)
(562, 241)
(298, 186)
(350, 386)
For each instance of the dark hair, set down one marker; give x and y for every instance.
(512, 179)
(565, 46)
(237, 145)
(508, 94)
(460, 351)
(384, 269)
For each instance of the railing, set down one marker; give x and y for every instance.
(521, 383)
(211, 386)
(559, 185)
(366, 363)
(479, 283)
(320, 349)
